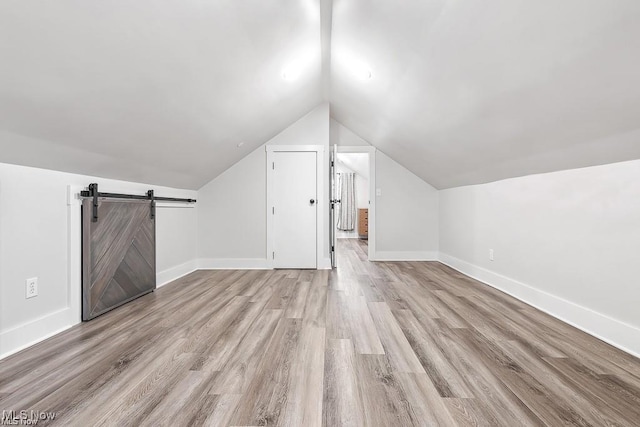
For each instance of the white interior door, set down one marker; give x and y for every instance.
(333, 204)
(294, 209)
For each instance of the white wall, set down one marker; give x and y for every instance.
(406, 211)
(36, 230)
(567, 242)
(231, 210)
(362, 192)
(232, 207)
(176, 238)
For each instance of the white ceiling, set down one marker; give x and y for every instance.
(357, 162)
(461, 92)
(152, 91)
(466, 92)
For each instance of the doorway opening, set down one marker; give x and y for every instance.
(353, 213)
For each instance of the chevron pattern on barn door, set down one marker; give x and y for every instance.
(118, 254)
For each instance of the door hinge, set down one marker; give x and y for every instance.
(273, 165)
(273, 210)
(333, 248)
(273, 255)
(332, 163)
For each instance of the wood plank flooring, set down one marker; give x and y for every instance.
(376, 344)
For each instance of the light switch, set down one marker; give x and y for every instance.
(378, 192)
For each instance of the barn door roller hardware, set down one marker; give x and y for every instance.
(96, 195)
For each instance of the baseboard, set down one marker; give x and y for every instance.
(233, 264)
(619, 334)
(33, 332)
(169, 275)
(325, 264)
(247, 264)
(405, 256)
(22, 336)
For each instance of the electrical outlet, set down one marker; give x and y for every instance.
(32, 287)
(490, 254)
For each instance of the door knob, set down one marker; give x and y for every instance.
(312, 201)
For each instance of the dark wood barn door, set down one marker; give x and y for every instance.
(119, 254)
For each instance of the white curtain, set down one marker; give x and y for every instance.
(347, 192)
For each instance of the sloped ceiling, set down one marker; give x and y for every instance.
(466, 92)
(357, 162)
(152, 91)
(460, 92)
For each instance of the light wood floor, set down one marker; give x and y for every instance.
(378, 344)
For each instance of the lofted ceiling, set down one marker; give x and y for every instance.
(356, 162)
(465, 92)
(460, 92)
(153, 91)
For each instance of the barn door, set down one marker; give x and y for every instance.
(118, 254)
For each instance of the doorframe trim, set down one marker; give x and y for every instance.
(372, 191)
(321, 203)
